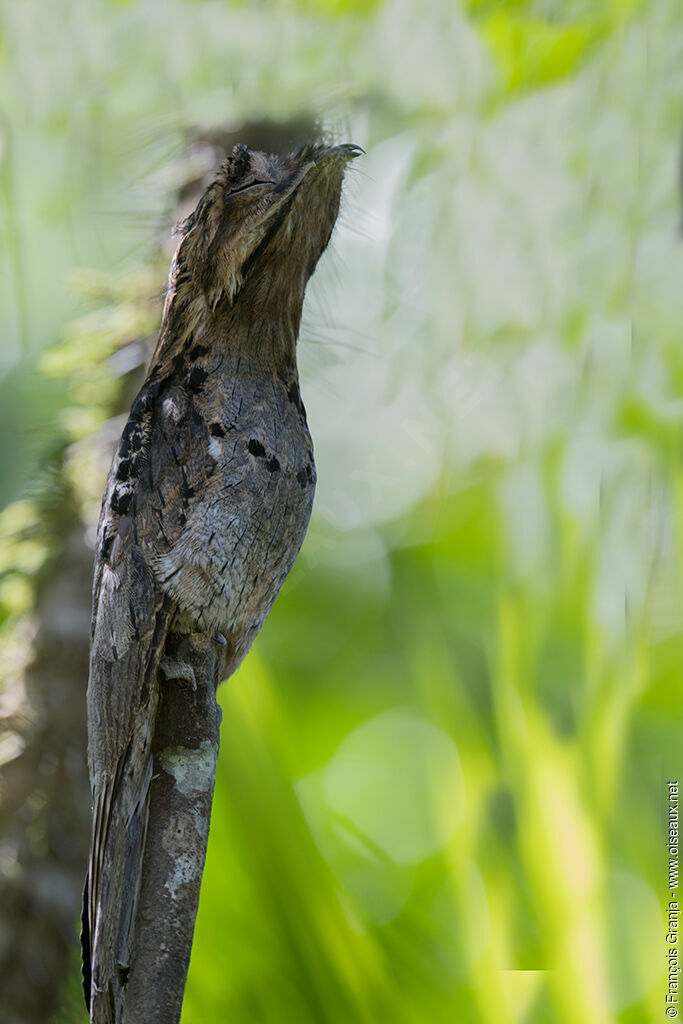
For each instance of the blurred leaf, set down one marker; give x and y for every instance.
(29, 410)
(531, 52)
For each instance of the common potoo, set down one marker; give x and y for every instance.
(207, 501)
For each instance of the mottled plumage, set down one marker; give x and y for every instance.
(207, 501)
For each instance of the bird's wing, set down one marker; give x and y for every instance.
(142, 516)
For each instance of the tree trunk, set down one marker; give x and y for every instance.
(45, 812)
(185, 757)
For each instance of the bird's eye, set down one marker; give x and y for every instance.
(247, 185)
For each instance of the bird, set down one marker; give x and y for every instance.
(207, 501)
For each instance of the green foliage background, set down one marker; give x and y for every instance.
(441, 792)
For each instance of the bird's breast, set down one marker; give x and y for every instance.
(248, 523)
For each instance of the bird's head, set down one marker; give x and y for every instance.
(261, 214)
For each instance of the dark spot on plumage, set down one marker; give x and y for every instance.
(144, 402)
(197, 418)
(293, 394)
(216, 430)
(256, 448)
(187, 492)
(137, 409)
(272, 465)
(182, 518)
(302, 478)
(198, 351)
(128, 469)
(178, 363)
(120, 501)
(131, 440)
(105, 547)
(196, 378)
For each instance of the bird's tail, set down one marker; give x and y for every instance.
(112, 886)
